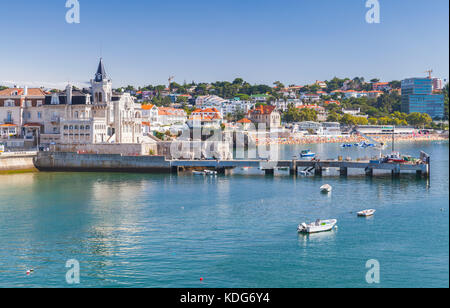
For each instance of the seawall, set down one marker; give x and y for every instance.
(17, 161)
(68, 161)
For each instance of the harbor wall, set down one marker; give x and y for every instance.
(15, 161)
(69, 161)
(112, 148)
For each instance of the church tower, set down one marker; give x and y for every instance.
(101, 86)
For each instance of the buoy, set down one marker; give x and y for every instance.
(201, 279)
(28, 272)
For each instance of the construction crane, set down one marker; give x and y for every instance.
(429, 73)
(170, 82)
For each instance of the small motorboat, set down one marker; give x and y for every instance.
(198, 173)
(366, 213)
(326, 188)
(346, 145)
(307, 153)
(318, 226)
(304, 173)
(210, 172)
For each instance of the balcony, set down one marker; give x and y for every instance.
(8, 121)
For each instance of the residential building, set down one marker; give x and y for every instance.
(417, 96)
(170, 116)
(310, 97)
(283, 105)
(259, 98)
(264, 114)
(21, 114)
(381, 86)
(331, 102)
(246, 123)
(208, 117)
(321, 84)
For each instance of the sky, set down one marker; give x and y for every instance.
(294, 41)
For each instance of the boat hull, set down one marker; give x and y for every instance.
(324, 226)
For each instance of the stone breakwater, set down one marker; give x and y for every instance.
(346, 139)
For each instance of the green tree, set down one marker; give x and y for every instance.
(334, 117)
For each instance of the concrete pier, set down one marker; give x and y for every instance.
(62, 161)
(17, 161)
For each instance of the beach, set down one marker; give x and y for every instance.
(347, 139)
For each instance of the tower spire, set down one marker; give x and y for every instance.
(101, 72)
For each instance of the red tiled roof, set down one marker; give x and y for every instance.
(20, 91)
(147, 107)
(263, 109)
(245, 121)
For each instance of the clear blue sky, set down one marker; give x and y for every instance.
(294, 41)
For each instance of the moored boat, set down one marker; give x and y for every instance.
(326, 188)
(198, 173)
(307, 153)
(318, 226)
(366, 213)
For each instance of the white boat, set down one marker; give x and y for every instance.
(198, 173)
(366, 213)
(326, 188)
(318, 226)
(304, 173)
(210, 172)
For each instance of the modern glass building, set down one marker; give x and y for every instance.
(417, 96)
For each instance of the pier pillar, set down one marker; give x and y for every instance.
(269, 171)
(221, 171)
(396, 172)
(318, 170)
(293, 170)
(343, 171)
(369, 171)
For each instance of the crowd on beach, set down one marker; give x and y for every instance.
(350, 139)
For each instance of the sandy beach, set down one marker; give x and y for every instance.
(347, 139)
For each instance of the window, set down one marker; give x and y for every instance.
(39, 103)
(39, 115)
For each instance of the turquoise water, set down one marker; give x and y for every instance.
(138, 230)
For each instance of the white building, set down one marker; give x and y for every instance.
(89, 116)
